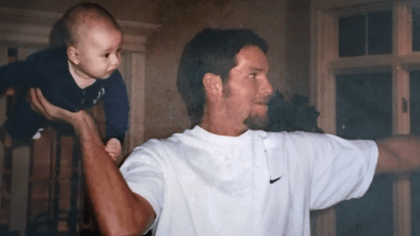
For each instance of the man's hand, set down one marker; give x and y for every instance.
(113, 147)
(40, 104)
(113, 201)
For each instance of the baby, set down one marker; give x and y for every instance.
(76, 72)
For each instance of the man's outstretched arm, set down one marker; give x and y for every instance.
(118, 210)
(399, 154)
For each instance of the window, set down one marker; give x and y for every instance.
(365, 81)
(365, 34)
(364, 105)
(364, 111)
(416, 28)
(415, 129)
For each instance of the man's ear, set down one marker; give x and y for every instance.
(213, 84)
(73, 55)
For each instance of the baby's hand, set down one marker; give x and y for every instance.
(113, 147)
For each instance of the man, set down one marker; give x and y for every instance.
(221, 177)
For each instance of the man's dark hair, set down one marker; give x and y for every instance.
(210, 51)
(63, 31)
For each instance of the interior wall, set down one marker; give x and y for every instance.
(285, 27)
(283, 23)
(142, 11)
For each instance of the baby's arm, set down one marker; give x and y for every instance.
(116, 109)
(113, 147)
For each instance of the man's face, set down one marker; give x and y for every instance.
(248, 90)
(99, 51)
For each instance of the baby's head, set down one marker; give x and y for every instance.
(93, 40)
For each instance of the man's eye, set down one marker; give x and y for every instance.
(106, 55)
(253, 75)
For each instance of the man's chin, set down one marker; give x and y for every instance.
(256, 122)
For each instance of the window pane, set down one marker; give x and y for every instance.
(380, 33)
(364, 105)
(415, 102)
(416, 28)
(415, 129)
(352, 36)
(364, 110)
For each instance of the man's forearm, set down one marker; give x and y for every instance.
(399, 154)
(118, 210)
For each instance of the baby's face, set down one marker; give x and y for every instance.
(99, 50)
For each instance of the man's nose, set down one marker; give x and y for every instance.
(266, 87)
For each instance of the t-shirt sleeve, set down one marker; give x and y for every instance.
(341, 169)
(143, 172)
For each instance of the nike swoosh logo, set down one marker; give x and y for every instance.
(272, 181)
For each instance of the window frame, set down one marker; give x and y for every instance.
(326, 64)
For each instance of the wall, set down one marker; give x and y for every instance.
(122, 9)
(285, 27)
(283, 23)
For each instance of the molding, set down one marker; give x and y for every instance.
(139, 25)
(23, 13)
(370, 7)
(21, 27)
(23, 34)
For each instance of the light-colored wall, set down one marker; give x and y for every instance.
(132, 10)
(285, 27)
(283, 23)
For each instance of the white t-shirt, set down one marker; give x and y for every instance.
(259, 183)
